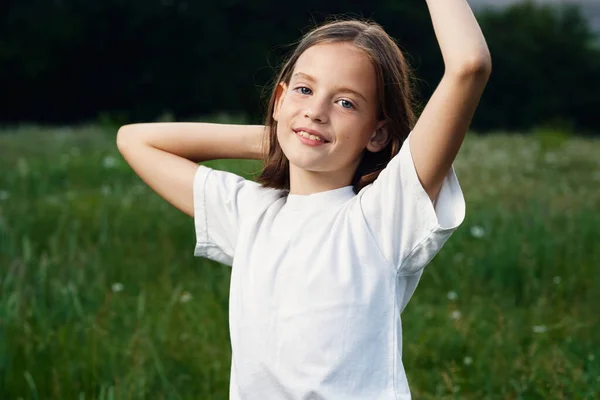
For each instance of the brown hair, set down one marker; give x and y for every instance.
(395, 94)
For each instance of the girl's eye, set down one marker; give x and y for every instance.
(346, 104)
(304, 90)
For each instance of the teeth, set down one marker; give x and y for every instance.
(309, 136)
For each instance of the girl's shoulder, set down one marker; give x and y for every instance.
(234, 190)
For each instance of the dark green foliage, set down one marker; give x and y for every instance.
(71, 60)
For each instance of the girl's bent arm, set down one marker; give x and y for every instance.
(198, 141)
(442, 126)
(165, 155)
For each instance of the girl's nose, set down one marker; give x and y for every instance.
(317, 111)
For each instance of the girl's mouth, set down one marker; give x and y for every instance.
(310, 140)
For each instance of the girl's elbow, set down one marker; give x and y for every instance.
(121, 138)
(480, 64)
(476, 66)
(125, 137)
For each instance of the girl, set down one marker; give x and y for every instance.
(355, 199)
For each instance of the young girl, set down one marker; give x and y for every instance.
(355, 199)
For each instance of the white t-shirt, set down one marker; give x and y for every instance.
(318, 281)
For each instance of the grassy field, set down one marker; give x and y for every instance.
(101, 297)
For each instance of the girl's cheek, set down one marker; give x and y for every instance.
(293, 101)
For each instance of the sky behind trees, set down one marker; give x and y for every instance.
(591, 7)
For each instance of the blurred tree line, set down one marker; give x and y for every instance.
(67, 61)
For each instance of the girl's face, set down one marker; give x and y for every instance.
(332, 94)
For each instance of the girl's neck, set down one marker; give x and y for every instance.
(303, 182)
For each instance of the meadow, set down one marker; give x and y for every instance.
(102, 298)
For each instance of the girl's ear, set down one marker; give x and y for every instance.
(279, 96)
(380, 138)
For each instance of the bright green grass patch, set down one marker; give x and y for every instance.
(101, 297)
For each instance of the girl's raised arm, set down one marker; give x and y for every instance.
(441, 128)
(165, 155)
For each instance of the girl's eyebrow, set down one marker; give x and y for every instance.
(342, 89)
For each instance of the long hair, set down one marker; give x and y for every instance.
(395, 98)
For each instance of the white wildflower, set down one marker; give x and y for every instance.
(527, 151)
(138, 189)
(455, 314)
(53, 200)
(109, 162)
(185, 297)
(22, 167)
(468, 360)
(477, 231)
(556, 280)
(117, 287)
(458, 257)
(529, 167)
(61, 134)
(551, 157)
(452, 296)
(539, 328)
(506, 179)
(126, 201)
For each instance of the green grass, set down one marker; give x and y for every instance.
(101, 297)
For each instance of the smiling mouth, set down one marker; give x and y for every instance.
(310, 136)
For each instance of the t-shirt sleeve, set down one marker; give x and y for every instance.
(221, 200)
(408, 227)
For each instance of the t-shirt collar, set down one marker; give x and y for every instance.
(332, 197)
